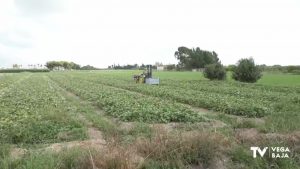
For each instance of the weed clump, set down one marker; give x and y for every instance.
(180, 150)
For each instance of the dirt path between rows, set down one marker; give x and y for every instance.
(94, 134)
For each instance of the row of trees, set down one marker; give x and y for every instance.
(62, 64)
(88, 67)
(51, 65)
(275, 68)
(283, 69)
(30, 66)
(245, 70)
(128, 66)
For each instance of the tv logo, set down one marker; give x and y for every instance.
(257, 149)
(274, 152)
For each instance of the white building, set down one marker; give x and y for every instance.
(160, 68)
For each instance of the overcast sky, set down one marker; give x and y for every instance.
(101, 33)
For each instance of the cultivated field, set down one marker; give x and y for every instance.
(103, 119)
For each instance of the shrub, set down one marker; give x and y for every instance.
(215, 71)
(246, 71)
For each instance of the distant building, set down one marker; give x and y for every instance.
(58, 68)
(198, 70)
(16, 66)
(160, 68)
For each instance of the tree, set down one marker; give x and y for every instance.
(88, 67)
(293, 69)
(215, 71)
(170, 67)
(246, 71)
(75, 66)
(143, 66)
(229, 67)
(195, 58)
(66, 65)
(52, 64)
(15, 66)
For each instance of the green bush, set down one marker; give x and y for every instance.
(215, 71)
(246, 71)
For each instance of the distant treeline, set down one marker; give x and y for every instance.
(188, 59)
(285, 69)
(142, 66)
(199, 59)
(64, 65)
(128, 66)
(275, 68)
(88, 67)
(23, 70)
(196, 58)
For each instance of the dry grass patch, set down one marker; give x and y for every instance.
(178, 150)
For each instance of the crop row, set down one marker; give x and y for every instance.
(34, 112)
(232, 99)
(126, 105)
(237, 90)
(7, 79)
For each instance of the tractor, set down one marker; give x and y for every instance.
(146, 77)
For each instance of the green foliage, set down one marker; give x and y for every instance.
(34, 111)
(108, 128)
(52, 64)
(7, 80)
(229, 68)
(23, 70)
(171, 67)
(215, 71)
(246, 71)
(208, 94)
(68, 159)
(241, 156)
(66, 65)
(285, 117)
(242, 99)
(280, 80)
(195, 58)
(4, 151)
(36, 115)
(245, 124)
(141, 129)
(135, 66)
(293, 69)
(126, 105)
(88, 67)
